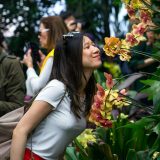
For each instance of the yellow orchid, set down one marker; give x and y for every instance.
(107, 105)
(124, 44)
(155, 155)
(86, 136)
(125, 55)
(106, 116)
(123, 116)
(112, 46)
(141, 38)
(137, 4)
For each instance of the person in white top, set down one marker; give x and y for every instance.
(59, 112)
(51, 29)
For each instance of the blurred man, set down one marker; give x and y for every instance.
(12, 81)
(70, 21)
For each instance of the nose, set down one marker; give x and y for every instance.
(96, 49)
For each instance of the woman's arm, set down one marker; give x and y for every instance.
(37, 112)
(38, 82)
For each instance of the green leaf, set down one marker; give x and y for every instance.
(140, 123)
(101, 151)
(106, 151)
(156, 129)
(94, 152)
(70, 154)
(131, 155)
(157, 44)
(101, 132)
(149, 82)
(81, 149)
(156, 104)
(154, 88)
(151, 139)
(156, 146)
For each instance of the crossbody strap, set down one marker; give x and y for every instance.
(62, 98)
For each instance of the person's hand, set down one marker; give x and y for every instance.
(149, 61)
(42, 57)
(146, 63)
(27, 59)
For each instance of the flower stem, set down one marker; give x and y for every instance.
(144, 54)
(150, 6)
(132, 74)
(136, 103)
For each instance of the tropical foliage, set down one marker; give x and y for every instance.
(117, 136)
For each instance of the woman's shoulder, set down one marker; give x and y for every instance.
(55, 82)
(53, 91)
(56, 85)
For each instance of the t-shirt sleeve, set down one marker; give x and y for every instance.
(52, 93)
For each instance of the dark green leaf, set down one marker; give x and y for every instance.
(131, 155)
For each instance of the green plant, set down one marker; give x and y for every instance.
(123, 138)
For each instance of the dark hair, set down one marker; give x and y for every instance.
(66, 14)
(68, 68)
(1, 39)
(56, 28)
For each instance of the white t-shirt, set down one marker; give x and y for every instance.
(34, 82)
(59, 128)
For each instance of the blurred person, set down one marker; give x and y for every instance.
(70, 21)
(150, 37)
(12, 80)
(141, 62)
(59, 112)
(50, 30)
(146, 64)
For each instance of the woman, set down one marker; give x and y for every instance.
(51, 29)
(59, 112)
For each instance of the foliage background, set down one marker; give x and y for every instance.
(25, 14)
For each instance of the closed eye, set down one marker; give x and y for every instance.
(93, 44)
(86, 47)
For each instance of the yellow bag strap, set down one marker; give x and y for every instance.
(50, 54)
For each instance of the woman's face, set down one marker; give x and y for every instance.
(43, 36)
(91, 54)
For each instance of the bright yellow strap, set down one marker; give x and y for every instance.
(50, 54)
